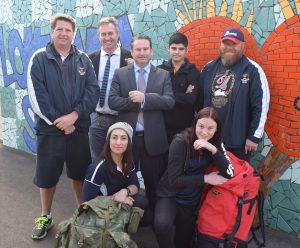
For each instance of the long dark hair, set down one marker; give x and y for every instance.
(190, 133)
(127, 160)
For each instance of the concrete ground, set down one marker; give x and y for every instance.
(20, 204)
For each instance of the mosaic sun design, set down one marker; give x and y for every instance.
(280, 58)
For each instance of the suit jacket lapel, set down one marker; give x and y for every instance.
(96, 62)
(131, 78)
(151, 79)
(122, 58)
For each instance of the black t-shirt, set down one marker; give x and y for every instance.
(222, 86)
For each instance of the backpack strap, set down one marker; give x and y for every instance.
(230, 237)
(261, 225)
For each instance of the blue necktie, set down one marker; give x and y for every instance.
(105, 81)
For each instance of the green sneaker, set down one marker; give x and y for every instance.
(42, 224)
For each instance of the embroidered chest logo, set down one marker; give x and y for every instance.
(81, 71)
(245, 78)
(222, 87)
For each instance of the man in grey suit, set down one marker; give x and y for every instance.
(104, 117)
(141, 92)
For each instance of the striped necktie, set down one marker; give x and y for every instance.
(105, 81)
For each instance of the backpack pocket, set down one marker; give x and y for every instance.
(88, 237)
(134, 221)
(122, 240)
(62, 235)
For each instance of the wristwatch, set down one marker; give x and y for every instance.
(128, 191)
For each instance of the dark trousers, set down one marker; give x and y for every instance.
(140, 201)
(240, 153)
(150, 166)
(174, 223)
(97, 132)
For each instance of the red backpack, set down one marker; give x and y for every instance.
(227, 210)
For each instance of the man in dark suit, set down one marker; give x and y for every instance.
(141, 92)
(110, 57)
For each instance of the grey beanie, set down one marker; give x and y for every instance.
(121, 125)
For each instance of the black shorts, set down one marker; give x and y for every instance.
(54, 151)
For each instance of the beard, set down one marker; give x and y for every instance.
(229, 59)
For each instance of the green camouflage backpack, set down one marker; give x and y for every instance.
(99, 223)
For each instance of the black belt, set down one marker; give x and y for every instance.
(139, 133)
(108, 115)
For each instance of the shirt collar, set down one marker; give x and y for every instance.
(116, 52)
(56, 53)
(146, 68)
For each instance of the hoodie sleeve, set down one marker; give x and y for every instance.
(38, 95)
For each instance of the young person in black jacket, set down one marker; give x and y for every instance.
(184, 76)
(191, 152)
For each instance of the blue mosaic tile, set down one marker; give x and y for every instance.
(111, 9)
(296, 188)
(282, 225)
(295, 200)
(287, 204)
(286, 185)
(277, 187)
(274, 212)
(171, 12)
(218, 5)
(158, 13)
(277, 198)
(267, 205)
(139, 28)
(267, 3)
(287, 214)
(170, 28)
(132, 6)
(7, 99)
(147, 17)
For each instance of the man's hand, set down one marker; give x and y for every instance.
(129, 61)
(70, 130)
(136, 96)
(250, 146)
(190, 88)
(66, 122)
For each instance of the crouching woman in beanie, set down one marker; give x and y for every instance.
(113, 174)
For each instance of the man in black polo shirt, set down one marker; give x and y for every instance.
(63, 91)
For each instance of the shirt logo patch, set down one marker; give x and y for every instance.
(245, 78)
(81, 71)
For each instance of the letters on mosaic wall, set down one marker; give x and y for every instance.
(272, 31)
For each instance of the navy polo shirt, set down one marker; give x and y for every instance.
(100, 181)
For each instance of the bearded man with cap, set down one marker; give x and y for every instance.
(238, 88)
(114, 174)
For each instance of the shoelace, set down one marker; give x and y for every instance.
(41, 222)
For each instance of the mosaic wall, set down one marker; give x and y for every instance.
(272, 31)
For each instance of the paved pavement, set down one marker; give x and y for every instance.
(19, 205)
